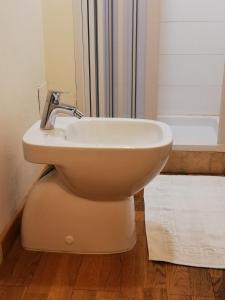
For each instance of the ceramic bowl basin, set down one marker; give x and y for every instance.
(101, 157)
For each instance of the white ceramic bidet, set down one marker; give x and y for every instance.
(86, 204)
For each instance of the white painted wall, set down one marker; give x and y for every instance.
(21, 72)
(59, 47)
(192, 56)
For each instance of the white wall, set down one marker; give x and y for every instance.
(21, 72)
(192, 48)
(59, 46)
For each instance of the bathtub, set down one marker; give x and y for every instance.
(194, 133)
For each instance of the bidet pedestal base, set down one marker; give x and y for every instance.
(57, 220)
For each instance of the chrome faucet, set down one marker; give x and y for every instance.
(53, 107)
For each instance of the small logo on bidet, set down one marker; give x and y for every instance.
(69, 239)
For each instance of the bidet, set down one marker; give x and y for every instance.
(86, 204)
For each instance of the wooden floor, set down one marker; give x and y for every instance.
(40, 276)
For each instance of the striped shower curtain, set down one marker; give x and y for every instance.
(120, 46)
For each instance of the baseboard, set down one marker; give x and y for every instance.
(1, 255)
(10, 234)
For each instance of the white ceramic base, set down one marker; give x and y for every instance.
(57, 220)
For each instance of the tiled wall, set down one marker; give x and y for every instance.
(196, 162)
(192, 48)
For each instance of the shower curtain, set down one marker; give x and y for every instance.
(119, 57)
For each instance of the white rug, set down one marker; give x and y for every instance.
(185, 220)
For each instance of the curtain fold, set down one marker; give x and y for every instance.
(116, 37)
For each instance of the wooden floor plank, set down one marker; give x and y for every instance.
(218, 282)
(66, 275)
(155, 294)
(139, 204)
(178, 297)
(177, 280)
(34, 296)
(83, 295)
(55, 276)
(140, 223)
(99, 272)
(132, 270)
(200, 282)
(108, 296)
(45, 274)
(155, 275)
(11, 292)
(19, 267)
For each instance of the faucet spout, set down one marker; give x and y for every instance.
(53, 107)
(78, 114)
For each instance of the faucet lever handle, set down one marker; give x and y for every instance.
(55, 96)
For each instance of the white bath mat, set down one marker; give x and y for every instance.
(185, 220)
